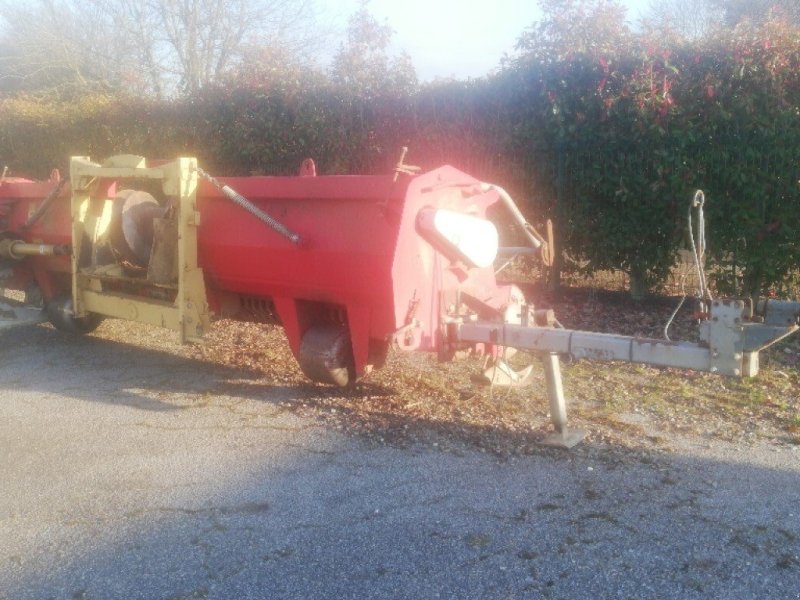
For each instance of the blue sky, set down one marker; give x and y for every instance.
(454, 38)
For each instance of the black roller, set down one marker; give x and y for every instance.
(326, 355)
(131, 232)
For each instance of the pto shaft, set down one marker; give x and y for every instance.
(18, 249)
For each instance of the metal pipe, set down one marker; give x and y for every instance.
(555, 392)
(259, 214)
(18, 249)
(44, 206)
(585, 344)
(536, 240)
(562, 437)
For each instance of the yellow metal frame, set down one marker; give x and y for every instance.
(91, 212)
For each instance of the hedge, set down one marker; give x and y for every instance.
(611, 142)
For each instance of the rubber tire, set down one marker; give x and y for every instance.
(326, 355)
(59, 312)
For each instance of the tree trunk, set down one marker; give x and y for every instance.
(638, 284)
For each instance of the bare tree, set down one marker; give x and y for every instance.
(137, 29)
(688, 19)
(152, 46)
(206, 37)
(53, 43)
(570, 27)
(364, 63)
(692, 19)
(757, 11)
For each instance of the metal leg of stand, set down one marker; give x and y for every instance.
(562, 437)
(13, 314)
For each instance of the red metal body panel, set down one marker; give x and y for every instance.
(362, 253)
(350, 232)
(18, 199)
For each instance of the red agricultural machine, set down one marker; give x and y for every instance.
(348, 265)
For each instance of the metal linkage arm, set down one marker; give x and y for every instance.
(259, 214)
(779, 312)
(586, 344)
(781, 319)
(730, 341)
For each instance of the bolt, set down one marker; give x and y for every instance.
(737, 356)
(737, 372)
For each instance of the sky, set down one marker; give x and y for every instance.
(454, 38)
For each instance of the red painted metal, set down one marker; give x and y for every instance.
(362, 263)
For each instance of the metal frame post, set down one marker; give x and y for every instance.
(562, 437)
(92, 183)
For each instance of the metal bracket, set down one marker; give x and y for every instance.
(724, 334)
(402, 167)
(93, 185)
(15, 314)
(730, 347)
(502, 374)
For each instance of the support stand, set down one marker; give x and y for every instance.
(15, 314)
(562, 437)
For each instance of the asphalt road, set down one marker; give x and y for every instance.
(131, 472)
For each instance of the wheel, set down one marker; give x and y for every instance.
(326, 355)
(60, 313)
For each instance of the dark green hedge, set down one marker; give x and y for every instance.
(610, 141)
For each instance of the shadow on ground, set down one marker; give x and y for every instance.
(147, 488)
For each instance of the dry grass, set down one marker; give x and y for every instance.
(416, 400)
